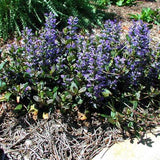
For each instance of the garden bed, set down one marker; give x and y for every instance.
(62, 137)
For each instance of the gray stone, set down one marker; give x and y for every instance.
(148, 148)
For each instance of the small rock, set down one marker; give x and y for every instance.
(28, 143)
(26, 157)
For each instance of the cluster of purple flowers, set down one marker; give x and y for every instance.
(98, 63)
(138, 52)
(41, 52)
(65, 62)
(139, 39)
(96, 59)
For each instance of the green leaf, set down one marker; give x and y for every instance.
(74, 88)
(128, 38)
(104, 115)
(49, 101)
(55, 89)
(70, 58)
(18, 108)
(130, 124)
(22, 86)
(69, 96)
(2, 65)
(7, 96)
(106, 93)
(53, 68)
(37, 98)
(111, 120)
(113, 115)
(120, 3)
(83, 89)
(135, 104)
(80, 101)
(118, 124)
(2, 84)
(56, 97)
(137, 95)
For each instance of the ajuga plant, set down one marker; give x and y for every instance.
(15, 15)
(68, 71)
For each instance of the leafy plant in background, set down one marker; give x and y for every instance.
(124, 2)
(148, 15)
(15, 15)
(73, 71)
(103, 3)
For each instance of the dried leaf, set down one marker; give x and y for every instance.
(81, 116)
(33, 112)
(45, 115)
(2, 98)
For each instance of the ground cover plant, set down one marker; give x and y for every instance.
(77, 72)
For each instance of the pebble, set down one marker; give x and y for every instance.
(28, 143)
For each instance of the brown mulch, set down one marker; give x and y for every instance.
(60, 138)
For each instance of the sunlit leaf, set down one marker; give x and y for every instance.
(69, 96)
(7, 95)
(80, 101)
(2, 84)
(118, 124)
(2, 65)
(113, 115)
(106, 93)
(83, 89)
(74, 88)
(53, 68)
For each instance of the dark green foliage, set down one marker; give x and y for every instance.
(15, 15)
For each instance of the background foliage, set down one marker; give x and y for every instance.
(148, 15)
(116, 2)
(15, 15)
